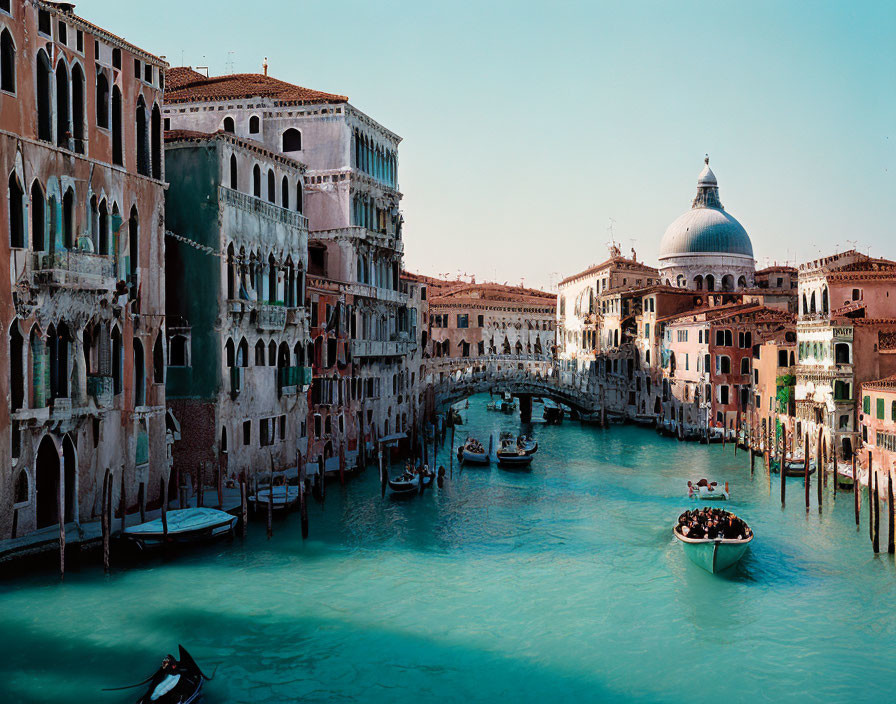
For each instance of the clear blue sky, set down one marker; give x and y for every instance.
(527, 126)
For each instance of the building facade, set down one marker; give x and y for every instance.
(240, 354)
(83, 367)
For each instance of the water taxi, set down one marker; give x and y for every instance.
(511, 455)
(410, 483)
(708, 491)
(714, 554)
(472, 452)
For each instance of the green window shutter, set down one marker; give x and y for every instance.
(866, 404)
(893, 411)
(880, 409)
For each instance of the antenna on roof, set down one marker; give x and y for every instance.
(265, 65)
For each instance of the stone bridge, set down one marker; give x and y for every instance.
(455, 378)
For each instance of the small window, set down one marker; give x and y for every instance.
(167, 123)
(880, 409)
(116, 58)
(22, 487)
(5, 5)
(80, 41)
(136, 68)
(43, 22)
(228, 125)
(147, 73)
(62, 33)
(247, 432)
(254, 125)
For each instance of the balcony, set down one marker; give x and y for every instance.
(100, 388)
(251, 204)
(271, 317)
(382, 348)
(376, 292)
(362, 234)
(78, 270)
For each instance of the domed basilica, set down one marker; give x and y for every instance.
(706, 248)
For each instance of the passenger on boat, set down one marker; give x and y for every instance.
(712, 523)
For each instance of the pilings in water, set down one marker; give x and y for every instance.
(303, 494)
(141, 499)
(244, 506)
(105, 524)
(822, 465)
(781, 464)
(270, 506)
(891, 514)
(806, 466)
(451, 455)
(855, 488)
(60, 496)
(876, 502)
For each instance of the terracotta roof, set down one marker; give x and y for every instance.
(777, 268)
(620, 260)
(184, 85)
(886, 384)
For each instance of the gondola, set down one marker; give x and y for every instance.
(527, 444)
(186, 525)
(715, 554)
(175, 682)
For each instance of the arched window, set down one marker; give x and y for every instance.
(273, 296)
(234, 180)
(242, 354)
(824, 300)
(139, 374)
(284, 193)
(272, 353)
(16, 213)
(103, 234)
(117, 140)
(259, 353)
(141, 133)
(102, 100)
(710, 281)
(698, 282)
(117, 361)
(155, 134)
(16, 368)
(272, 187)
(63, 132)
(300, 198)
(158, 360)
(78, 93)
(292, 140)
(228, 125)
(21, 487)
(254, 125)
(133, 244)
(7, 62)
(38, 217)
(230, 353)
(812, 302)
(44, 97)
(256, 181)
(742, 282)
(231, 273)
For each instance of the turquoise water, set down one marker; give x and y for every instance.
(556, 585)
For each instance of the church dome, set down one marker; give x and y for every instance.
(706, 227)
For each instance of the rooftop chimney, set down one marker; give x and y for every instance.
(265, 65)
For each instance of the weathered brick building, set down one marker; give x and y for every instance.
(83, 365)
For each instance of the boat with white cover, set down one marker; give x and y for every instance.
(186, 525)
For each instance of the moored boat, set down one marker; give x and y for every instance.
(527, 444)
(553, 413)
(718, 553)
(280, 497)
(186, 525)
(845, 479)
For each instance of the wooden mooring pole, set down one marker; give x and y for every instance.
(122, 504)
(876, 513)
(855, 487)
(270, 507)
(60, 494)
(104, 520)
(244, 506)
(870, 499)
(141, 499)
(164, 488)
(781, 465)
(451, 455)
(807, 480)
(891, 544)
(820, 464)
(303, 496)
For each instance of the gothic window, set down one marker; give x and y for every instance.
(155, 135)
(16, 213)
(272, 187)
(141, 132)
(284, 193)
(256, 181)
(234, 181)
(44, 97)
(62, 118)
(7, 62)
(117, 141)
(254, 125)
(139, 374)
(38, 217)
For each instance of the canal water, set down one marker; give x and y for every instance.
(559, 584)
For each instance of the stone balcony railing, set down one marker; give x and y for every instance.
(377, 292)
(382, 348)
(355, 232)
(74, 269)
(251, 204)
(271, 317)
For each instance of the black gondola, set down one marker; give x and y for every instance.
(175, 682)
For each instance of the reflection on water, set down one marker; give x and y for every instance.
(557, 584)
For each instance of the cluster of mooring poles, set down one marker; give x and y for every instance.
(775, 449)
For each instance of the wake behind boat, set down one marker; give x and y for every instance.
(712, 538)
(186, 525)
